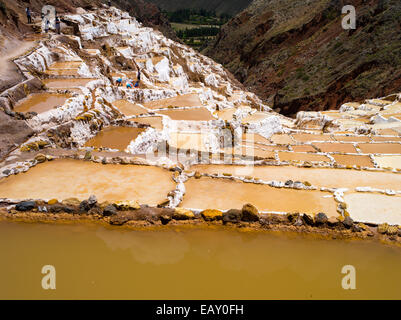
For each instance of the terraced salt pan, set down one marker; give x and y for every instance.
(282, 139)
(333, 114)
(249, 152)
(256, 117)
(374, 208)
(155, 122)
(66, 83)
(351, 160)
(387, 125)
(320, 177)
(257, 152)
(114, 137)
(125, 74)
(388, 161)
(335, 147)
(198, 114)
(395, 108)
(194, 141)
(268, 148)
(380, 102)
(255, 138)
(390, 148)
(303, 148)
(379, 138)
(398, 130)
(394, 115)
(351, 104)
(41, 102)
(62, 179)
(386, 132)
(226, 114)
(128, 108)
(67, 68)
(62, 72)
(295, 156)
(351, 138)
(305, 137)
(348, 123)
(208, 193)
(186, 100)
(66, 65)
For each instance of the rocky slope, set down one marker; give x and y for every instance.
(296, 56)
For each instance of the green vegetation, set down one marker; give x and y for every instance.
(3, 7)
(337, 45)
(197, 17)
(300, 74)
(196, 27)
(198, 32)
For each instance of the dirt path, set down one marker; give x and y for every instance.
(9, 73)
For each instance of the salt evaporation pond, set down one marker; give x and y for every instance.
(320, 177)
(62, 179)
(96, 262)
(41, 102)
(209, 193)
(66, 83)
(114, 137)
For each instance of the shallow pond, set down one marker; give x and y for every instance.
(41, 102)
(114, 137)
(66, 83)
(223, 194)
(95, 262)
(198, 114)
(186, 100)
(62, 179)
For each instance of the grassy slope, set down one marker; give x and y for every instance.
(220, 6)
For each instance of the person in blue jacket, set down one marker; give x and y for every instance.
(28, 15)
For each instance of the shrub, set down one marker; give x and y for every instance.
(3, 7)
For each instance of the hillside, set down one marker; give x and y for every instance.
(14, 28)
(298, 57)
(230, 7)
(12, 12)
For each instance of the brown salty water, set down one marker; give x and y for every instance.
(186, 100)
(155, 122)
(320, 177)
(114, 137)
(66, 83)
(198, 114)
(128, 108)
(62, 179)
(209, 193)
(41, 102)
(96, 262)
